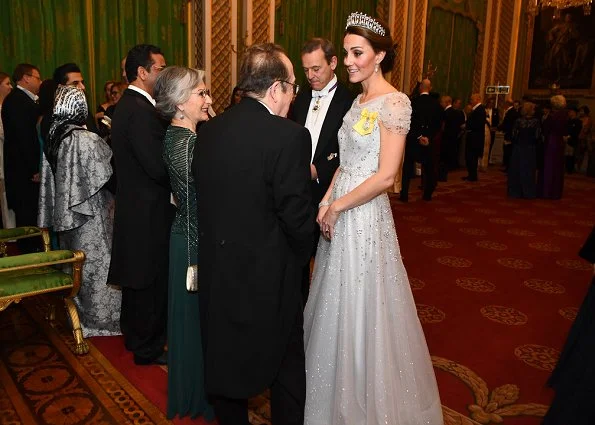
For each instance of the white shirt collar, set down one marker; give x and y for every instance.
(34, 97)
(144, 93)
(475, 107)
(425, 92)
(447, 106)
(332, 84)
(509, 108)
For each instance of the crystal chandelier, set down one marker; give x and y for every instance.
(535, 5)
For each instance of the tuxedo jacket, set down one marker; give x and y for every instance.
(495, 118)
(453, 120)
(326, 156)
(143, 213)
(508, 121)
(426, 120)
(476, 129)
(21, 144)
(256, 224)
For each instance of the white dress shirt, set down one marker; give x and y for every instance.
(34, 97)
(315, 118)
(144, 93)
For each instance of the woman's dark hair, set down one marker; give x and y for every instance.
(380, 43)
(234, 92)
(47, 91)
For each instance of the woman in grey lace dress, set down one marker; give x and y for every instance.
(74, 201)
(184, 100)
(367, 361)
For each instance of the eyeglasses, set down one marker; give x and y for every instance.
(296, 87)
(203, 93)
(34, 76)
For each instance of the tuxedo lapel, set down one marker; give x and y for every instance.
(327, 132)
(301, 106)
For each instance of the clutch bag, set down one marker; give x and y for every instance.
(192, 278)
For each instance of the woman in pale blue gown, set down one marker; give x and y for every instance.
(367, 361)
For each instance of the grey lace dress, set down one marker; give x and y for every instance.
(74, 202)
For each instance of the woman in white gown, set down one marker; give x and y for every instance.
(367, 361)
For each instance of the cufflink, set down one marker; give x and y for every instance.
(331, 156)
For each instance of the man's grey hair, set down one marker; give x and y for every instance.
(174, 86)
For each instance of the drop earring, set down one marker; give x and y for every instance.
(376, 68)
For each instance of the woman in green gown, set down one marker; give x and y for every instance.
(183, 99)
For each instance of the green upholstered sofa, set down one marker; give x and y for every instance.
(29, 275)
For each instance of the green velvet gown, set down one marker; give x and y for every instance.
(186, 394)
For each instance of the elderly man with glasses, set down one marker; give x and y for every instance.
(256, 220)
(20, 112)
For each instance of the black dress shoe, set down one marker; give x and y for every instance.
(160, 360)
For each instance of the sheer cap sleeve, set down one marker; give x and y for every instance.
(395, 113)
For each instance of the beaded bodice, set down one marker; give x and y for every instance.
(178, 148)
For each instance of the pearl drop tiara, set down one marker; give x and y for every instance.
(358, 19)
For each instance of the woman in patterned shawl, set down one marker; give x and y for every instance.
(74, 201)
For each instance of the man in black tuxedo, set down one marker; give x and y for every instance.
(256, 220)
(426, 118)
(20, 112)
(321, 109)
(475, 128)
(511, 114)
(457, 105)
(143, 211)
(452, 121)
(493, 120)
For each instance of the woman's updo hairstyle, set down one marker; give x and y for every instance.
(376, 31)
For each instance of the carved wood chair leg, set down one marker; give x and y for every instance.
(50, 314)
(81, 346)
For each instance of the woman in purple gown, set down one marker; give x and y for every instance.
(550, 181)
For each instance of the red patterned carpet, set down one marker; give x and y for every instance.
(497, 282)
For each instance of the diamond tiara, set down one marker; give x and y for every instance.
(358, 19)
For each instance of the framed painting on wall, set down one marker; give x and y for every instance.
(562, 50)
